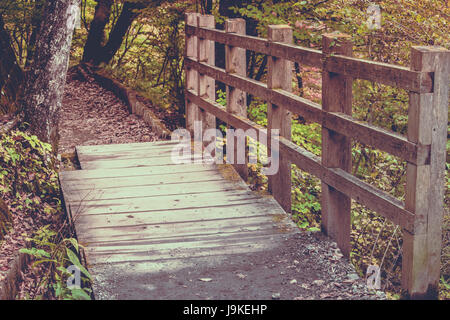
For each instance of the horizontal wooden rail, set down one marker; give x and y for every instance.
(390, 142)
(375, 199)
(388, 74)
(392, 75)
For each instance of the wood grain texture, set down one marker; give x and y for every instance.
(206, 84)
(388, 74)
(364, 193)
(157, 214)
(363, 132)
(236, 63)
(279, 76)
(336, 148)
(427, 124)
(192, 77)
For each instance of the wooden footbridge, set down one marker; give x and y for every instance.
(140, 213)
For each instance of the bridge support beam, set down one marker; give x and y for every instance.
(279, 117)
(427, 125)
(235, 62)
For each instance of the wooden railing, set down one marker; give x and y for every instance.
(423, 148)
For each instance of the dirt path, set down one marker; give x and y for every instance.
(305, 266)
(92, 115)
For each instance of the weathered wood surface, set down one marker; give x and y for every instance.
(392, 75)
(279, 76)
(375, 199)
(235, 62)
(379, 138)
(423, 148)
(135, 209)
(191, 73)
(206, 84)
(427, 124)
(336, 148)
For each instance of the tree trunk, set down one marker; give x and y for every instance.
(44, 85)
(94, 52)
(36, 20)
(119, 31)
(10, 72)
(93, 46)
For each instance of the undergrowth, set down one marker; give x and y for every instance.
(29, 185)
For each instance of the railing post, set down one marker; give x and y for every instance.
(235, 62)
(191, 74)
(427, 125)
(278, 117)
(336, 148)
(206, 85)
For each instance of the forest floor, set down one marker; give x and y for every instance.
(92, 115)
(309, 266)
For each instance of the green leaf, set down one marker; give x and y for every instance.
(39, 253)
(74, 242)
(74, 259)
(79, 294)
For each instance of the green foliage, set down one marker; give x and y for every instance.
(56, 255)
(27, 169)
(29, 181)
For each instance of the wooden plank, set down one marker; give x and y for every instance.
(190, 249)
(279, 76)
(235, 62)
(173, 206)
(384, 73)
(427, 124)
(129, 163)
(336, 148)
(217, 185)
(192, 82)
(107, 148)
(165, 202)
(307, 56)
(268, 208)
(309, 110)
(206, 84)
(254, 87)
(389, 74)
(151, 180)
(364, 193)
(379, 138)
(83, 157)
(341, 123)
(375, 199)
(177, 229)
(133, 172)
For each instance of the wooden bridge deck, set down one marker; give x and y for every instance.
(139, 215)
